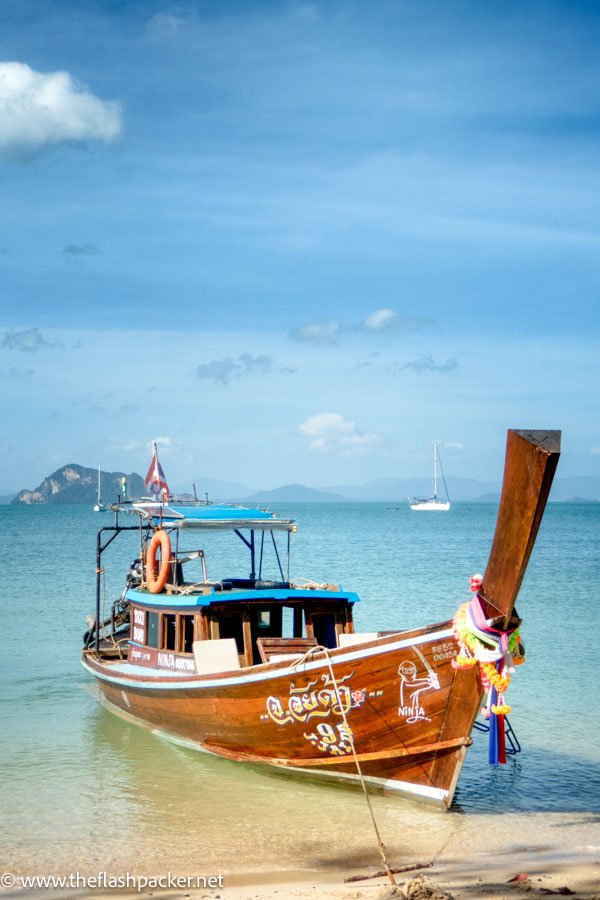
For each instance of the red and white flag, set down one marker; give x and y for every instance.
(155, 480)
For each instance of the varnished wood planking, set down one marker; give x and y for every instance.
(531, 460)
(234, 721)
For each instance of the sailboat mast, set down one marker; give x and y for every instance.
(435, 470)
(98, 484)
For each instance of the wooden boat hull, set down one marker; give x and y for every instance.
(410, 712)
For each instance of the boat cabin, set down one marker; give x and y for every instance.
(172, 616)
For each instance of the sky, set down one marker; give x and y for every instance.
(297, 241)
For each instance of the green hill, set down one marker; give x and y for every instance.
(77, 484)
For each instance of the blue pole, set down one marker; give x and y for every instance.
(493, 746)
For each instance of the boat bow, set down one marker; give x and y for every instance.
(531, 460)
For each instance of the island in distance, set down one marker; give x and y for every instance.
(77, 484)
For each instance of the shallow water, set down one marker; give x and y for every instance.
(83, 789)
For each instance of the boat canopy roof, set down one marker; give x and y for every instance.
(210, 516)
(280, 596)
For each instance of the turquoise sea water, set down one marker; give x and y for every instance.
(83, 789)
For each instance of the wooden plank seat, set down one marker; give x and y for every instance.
(272, 649)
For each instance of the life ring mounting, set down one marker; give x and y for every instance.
(158, 572)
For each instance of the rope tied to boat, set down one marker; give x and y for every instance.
(320, 649)
(496, 651)
(307, 584)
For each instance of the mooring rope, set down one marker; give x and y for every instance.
(325, 651)
(183, 591)
(307, 584)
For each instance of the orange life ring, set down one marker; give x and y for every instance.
(156, 580)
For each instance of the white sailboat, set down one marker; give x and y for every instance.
(99, 506)
(433, 504)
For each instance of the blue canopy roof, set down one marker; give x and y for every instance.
(212, 516)
(221, 512)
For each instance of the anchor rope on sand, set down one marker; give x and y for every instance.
(325, 651)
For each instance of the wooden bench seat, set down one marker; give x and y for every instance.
(273, 648)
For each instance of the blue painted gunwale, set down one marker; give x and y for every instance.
(144, 598)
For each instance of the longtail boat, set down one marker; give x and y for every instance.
(272, 671)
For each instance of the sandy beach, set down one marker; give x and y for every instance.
(548, 875)
(534, 874)
(464, 866)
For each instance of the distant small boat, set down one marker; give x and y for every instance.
(433, 503)
(99, 505)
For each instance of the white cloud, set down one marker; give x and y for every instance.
(380, 320)
(38, 109)
(318, 332)
(453, 445)
(377, 322)
(595, 451)
(330, 423)
(331, 432)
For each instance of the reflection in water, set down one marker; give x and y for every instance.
(536, 780)
(235, 816)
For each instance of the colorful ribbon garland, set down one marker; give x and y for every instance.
(496, 651)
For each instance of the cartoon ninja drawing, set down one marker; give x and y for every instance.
(411, 688)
